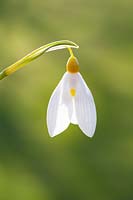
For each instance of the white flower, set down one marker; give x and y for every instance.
(71, 102)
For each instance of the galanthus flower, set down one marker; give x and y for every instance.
(71, 102)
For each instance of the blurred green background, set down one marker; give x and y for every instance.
(34, 166)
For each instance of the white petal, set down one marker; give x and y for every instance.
(85, 108)
(59, 109)
(71, 80)
(74, 117)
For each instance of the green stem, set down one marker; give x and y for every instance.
(35, 54)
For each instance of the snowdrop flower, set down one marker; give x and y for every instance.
(71, 102)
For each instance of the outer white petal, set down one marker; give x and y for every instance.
(85, 107)
(59, 108)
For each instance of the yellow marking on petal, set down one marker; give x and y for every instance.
(72, 92)
(72, 65)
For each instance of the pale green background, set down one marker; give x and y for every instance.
(34, 166)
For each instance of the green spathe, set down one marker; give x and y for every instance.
(35, 54)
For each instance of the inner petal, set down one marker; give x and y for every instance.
(73, 117)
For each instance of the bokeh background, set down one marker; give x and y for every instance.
(34, 166)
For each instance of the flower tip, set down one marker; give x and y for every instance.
(51, 136)
(90, 134)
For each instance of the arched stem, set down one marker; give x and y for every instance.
(35, 54)
(71, 52)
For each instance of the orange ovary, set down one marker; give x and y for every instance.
(72, 65)
(72, 92)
